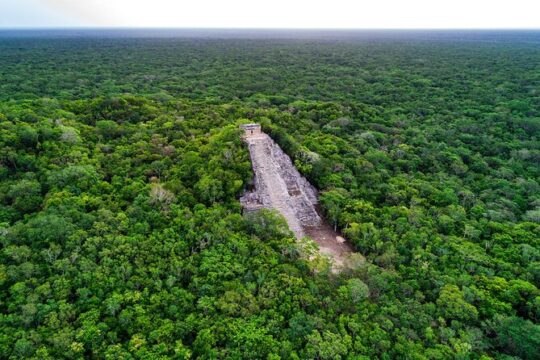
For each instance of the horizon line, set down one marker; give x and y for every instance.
(264, 28)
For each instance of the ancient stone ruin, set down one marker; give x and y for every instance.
(251, 129)
(278, 185)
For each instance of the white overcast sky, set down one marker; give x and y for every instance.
(271, 13)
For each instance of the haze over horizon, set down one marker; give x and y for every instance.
(281, 14)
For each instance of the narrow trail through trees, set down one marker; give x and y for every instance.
(279, 186)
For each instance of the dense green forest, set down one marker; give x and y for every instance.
(121, 164)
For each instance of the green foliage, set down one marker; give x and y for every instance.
(516, 336)
(453, 306)
(25, 195)
(121, 163)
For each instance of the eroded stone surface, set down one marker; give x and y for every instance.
(278, 185)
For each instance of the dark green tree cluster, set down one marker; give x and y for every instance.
(121, 163)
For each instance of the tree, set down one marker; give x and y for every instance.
(358, 290)
(517, 337)
(333, 202)
(329, 346)
(26, 196)
(161, 197)
(209, 189)
(453, 305)
(28, 136)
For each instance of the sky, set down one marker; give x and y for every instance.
(334, 14)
